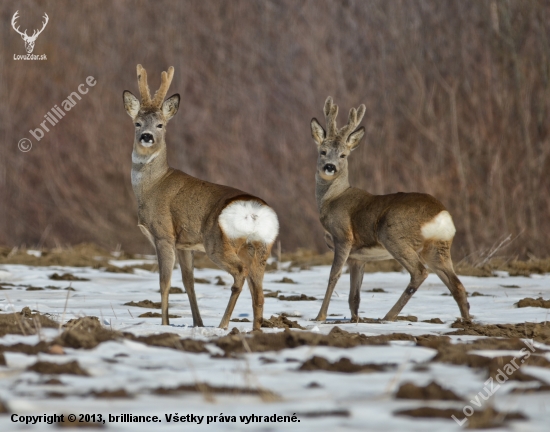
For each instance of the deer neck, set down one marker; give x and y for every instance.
(148, 170)
(327, 190)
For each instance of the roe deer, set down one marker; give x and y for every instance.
(178, 212)
(413, 228)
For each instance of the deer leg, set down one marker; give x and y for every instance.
(255, 281)
(356, 269)
(231, 263)
(341, 253)
(411, 261)
(166, 257)
(186, 264)
(438, 258)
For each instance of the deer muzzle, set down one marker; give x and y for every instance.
(329, 169)
(146, 139)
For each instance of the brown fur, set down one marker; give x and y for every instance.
(362, 227)
(179, 213)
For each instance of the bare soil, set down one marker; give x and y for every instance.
(70, 368)
(144, 304)
(488, 418)
(537, 331)
(112, 394)
(156, 315)
(433, 391)
(207, 388)
(66, 277)
(531, 302)
(343, 365)
(280, 322)
(301, 297)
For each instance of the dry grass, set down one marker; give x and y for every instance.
(457, 97)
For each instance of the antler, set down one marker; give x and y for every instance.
(15, 16)
(37, 32)
(354, 118)
(165, 81)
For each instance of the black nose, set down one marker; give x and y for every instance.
(330, 168)
(146, 137)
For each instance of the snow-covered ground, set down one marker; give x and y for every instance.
(368, 397)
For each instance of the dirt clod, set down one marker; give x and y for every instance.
(433, 391)
(410, 318)
(433, 321)
(156, 315)
(202, 281)
(531, 302)
(86, 332)
(112, 394)
(280, 322)
(285, 280)
(343, 365)
(537, 331)
(271, 294)
(301, 297)
(144, 304)
(66, 277)
(70, 368)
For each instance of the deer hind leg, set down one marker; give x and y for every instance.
(259, 254)
(228, 260)
(186, 264)
(356, 269)
(409, 259)
(437, 255)
(166, 256)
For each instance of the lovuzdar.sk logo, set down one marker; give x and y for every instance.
(29, 40)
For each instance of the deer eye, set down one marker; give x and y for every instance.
(323, 153)
(138, 124)
(342, 156)
(159, 126)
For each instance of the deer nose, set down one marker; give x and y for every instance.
(146, 138)
(329, 169)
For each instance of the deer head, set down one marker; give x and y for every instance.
(151, 115)
(334, 145)
(29, 40)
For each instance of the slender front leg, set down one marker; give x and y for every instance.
(341, 253)
(186, 264)
(166, 257)
(356, 269)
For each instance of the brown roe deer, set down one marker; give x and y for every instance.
(413, 228)
(180, 214)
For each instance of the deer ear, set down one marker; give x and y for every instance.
(170, 106)
(355, 137)
(131, 103)
(317, 132)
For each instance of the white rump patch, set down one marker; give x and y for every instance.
(251, 220)
(440, 227)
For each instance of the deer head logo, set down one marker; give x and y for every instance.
(29, 40)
